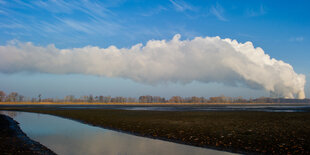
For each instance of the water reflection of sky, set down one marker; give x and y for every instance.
(265, 108)
(65, 136)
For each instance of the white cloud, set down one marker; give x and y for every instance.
(209, 59)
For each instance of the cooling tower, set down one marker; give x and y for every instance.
(301, 95)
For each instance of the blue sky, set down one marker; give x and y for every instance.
(281, 28)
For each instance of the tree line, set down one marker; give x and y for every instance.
(15, 97)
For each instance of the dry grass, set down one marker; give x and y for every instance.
(126, 103)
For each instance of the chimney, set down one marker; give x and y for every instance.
(301, 95)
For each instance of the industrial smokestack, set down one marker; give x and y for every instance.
(301, 95)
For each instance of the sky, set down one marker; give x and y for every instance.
(280, 28)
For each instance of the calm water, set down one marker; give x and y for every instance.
(65, 136)
(265, 108)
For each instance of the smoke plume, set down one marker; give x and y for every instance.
(209, 59)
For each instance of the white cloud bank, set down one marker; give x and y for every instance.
(209, 59)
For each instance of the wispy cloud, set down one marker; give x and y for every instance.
(256, 12)
(79, 26)
(56, 6)
(180, 5)
(93, 9)
(154, 11)
(2, 2)
(218, 12)
(91, 26)
(23, 4)
(3, 12)
(11, 26)
(61, 16)
(296, 39)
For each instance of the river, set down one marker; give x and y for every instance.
(66, 137)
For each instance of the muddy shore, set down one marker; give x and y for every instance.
(14, 141)
(233, 131)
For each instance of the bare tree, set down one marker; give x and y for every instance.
(2, 96)
(90, 98)
(39, 97)
(21, 98)
(107, 99)
(176, 99)
(12, 97)
(100, 99)
(131, 100)
(33, 99)
(69, 98)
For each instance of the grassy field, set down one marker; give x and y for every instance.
(238, 131)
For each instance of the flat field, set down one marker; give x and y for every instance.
(235, 131)
(134, 103)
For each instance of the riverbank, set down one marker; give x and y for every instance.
(14, 141)
(234, 131)
(139, 103)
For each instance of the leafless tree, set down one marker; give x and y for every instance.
(12, 97)
(2, 96)
(39, 97)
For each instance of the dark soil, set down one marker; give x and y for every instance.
(234, 131)
(238, 131)
(14, 141)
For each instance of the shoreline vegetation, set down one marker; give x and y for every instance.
(16, 98)
(152, 103)
(234, 131)
(14, 141)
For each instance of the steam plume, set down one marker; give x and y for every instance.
(209, 59)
